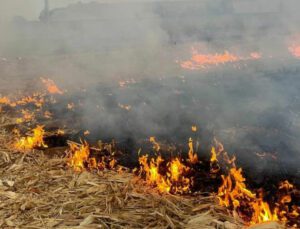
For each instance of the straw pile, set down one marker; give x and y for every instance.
(37, 190)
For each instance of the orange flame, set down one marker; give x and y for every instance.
(193, 157)
(171, 181)
(31, 142)
(156, 145)
(233, 193)
(79, 155)
(4, 100)
(80, 158)
(51, 86)
(199, 61)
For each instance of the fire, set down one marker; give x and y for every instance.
(51, 86)
(80, 158)
(156, 145)
(214, 163)
(27, 116)
(47, 114)
(199, 60)
(194, 128)
(31, 142)
(79, 155)
(174, 180)
(234, 194)
(193, 157)
(36, 99)
(262, 212)
(4, 100)
(169, 174)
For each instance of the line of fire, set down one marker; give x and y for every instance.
(150, 114)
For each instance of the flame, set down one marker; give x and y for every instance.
(36, 99)
(31, 142)
(286, 185)
(234, 194)
(173, 180)
(199, 60)
(262, 212)
(214, 163)
(5, 100)
(47, 114)
(51, 86)
(156, 146)
(194, 128)
(193, 157)
(79, 156)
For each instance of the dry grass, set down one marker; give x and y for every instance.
(37, 190)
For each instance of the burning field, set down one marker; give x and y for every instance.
(56, 171)
(150, 114)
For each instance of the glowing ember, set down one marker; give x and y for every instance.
(31, 142)
(194, 128)
(51, 86)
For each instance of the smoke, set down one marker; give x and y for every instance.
(252, 108)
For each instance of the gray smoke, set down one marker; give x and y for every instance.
(253, 108)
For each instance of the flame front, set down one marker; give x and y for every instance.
(200, 60)
(234, 194)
